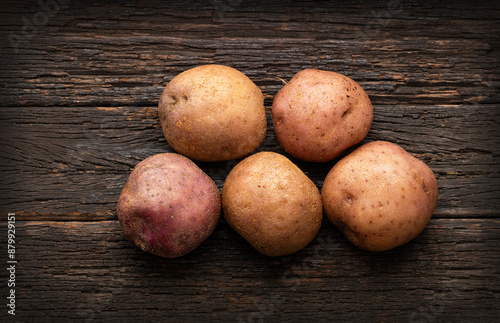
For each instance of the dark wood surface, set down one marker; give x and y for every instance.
(80, 82)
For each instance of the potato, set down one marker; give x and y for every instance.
(380, 196)
(168, 206)
(319, 114)
(272, 204)
(212, 113)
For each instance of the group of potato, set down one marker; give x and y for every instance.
(379, 196)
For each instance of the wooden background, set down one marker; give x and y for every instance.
(80, 84)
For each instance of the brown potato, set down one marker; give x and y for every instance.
(380, 196)
(319, 114)
(272, 204)
(212, 113)
(168, 206)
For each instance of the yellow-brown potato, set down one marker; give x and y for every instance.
(380, 196)
(319, 114)
(272, 204)
(212, 113)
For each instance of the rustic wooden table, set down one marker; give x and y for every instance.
(80, 84)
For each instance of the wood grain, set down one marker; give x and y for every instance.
(80, 82)
(115, 55)
(81, 270)
(78, 159)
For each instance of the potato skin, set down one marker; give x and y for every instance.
(212, 113)
(319, 114)
(168, 206)
(380, 196)
(272, 204)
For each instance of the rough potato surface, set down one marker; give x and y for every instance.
(380, 196)
(168, 206)
(212, 113)
(319, 114)
(272, 204)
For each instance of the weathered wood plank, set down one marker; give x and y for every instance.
(124, 54)
(78, 94)
(73, 162)
(87, 270)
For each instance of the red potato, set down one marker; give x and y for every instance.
(319, 114)
(380, 196)
(168, 206)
